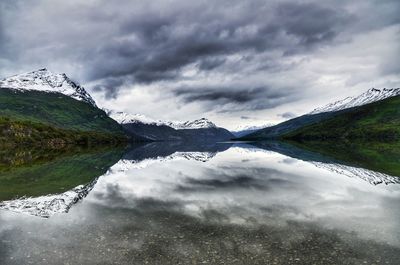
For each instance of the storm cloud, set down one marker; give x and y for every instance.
(216, 57)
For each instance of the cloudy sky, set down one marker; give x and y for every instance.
(234, 62)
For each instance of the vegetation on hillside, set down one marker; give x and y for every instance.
(53, 119)
(379, 121)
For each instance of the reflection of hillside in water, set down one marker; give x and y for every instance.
(42, 182)
(79, 171)
(334, 165)
(138, 156)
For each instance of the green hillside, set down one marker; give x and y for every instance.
(53, 118)
(378, 121)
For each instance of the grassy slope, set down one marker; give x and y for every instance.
(379, 121)
(37, 172)
(33, 116)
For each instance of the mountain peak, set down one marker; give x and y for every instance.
(44, 80)
(123, 118)
(196, 124)
(370, 96)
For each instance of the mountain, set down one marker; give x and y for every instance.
(241, 131)
(201, 130)
(372, 115)
(42, 107)
(370, 96)
(377, 121)
(125, 118)
(44, 80)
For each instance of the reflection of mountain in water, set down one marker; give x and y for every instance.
(144, 155)
(46, 206)
(328, 163)
(370, 176)
(50, 203)
(45, 182)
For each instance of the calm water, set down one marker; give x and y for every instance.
(223, 204)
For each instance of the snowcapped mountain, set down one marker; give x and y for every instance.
(247, 129)
(125, 118)
(196, 124)
(44, 80)
(370, 96)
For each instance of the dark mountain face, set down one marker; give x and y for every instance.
(154, 132)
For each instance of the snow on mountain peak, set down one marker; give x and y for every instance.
(196, 124)
(44, 80)
(123, 118)
(370, 96)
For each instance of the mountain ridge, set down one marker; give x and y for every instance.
(370, 96)
(124, 118)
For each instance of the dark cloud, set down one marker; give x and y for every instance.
(150, 47)
(109, 86)
(312, 23)
(287, 115)
(257, 98)
(211, 63)
(207, 46)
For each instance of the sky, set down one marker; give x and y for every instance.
(234, 62)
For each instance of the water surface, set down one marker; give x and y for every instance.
(214, 204)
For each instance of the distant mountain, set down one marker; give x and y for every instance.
(42, 107)
(124, 118)
(44, 80)
(156, 130)
(322, 123)
(241, 131)
(372, 95)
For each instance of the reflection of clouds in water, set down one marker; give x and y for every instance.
(233, 178)
(263, 189)
(184, 211)
(289, 160)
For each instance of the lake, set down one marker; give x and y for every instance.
(227, 203)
